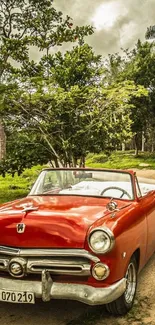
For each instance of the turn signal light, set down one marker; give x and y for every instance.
(100, 271)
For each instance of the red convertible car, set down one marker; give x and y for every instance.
(81, 234)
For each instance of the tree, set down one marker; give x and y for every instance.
(32, 23)
(141, 69)
(68, 123)
(80, 66)
(150, 33)
(137, 65)
(53, 102)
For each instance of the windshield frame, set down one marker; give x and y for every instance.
(84, 170)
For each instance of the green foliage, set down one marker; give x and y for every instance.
(66, 105)
(96, 158)
(79, 66)
(137, 65)
(150, 32)
(24, 24)
(141, 69)
(45, 113)
(12, 188)
(33, 23)
(52, 122)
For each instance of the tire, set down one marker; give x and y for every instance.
(124, 303)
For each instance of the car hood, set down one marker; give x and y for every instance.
(50, 221)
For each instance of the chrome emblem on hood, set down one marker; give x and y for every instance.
(21, 228)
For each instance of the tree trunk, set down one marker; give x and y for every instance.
(82, 161)
(152, 147)
(136, 144)
(56, 162)
(2, 142)
(143, 142)
(123, 146)
(74, 162)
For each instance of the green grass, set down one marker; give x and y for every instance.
(15, 187)
(122, 160)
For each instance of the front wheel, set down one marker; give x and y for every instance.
(124, 303)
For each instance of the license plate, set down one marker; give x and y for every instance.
(23, 297)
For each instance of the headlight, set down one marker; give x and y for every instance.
(101, 240)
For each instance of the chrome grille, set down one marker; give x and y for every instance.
(59, 266)
(57, 261)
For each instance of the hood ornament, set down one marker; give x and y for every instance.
(28, 207)
(20, 228)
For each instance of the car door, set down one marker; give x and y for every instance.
(147, 203)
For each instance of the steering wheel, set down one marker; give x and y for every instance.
(117, 188)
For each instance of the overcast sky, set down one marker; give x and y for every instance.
(118, 23)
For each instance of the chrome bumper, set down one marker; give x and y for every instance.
(47, 290)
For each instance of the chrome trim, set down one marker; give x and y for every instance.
(131, 277)
(4, 264)
(64, 267)
(76, 262)
(112, 206)
(9, 251)
(20, 261)
(109, 233)
(47, 290)
(30, 209)
(38, 252)
(20, 228)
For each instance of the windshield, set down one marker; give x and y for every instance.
(84, 183)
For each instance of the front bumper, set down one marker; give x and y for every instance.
(47, 290)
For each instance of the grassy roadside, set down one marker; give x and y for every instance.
(122, 160)
(19, 186)
(15, 187)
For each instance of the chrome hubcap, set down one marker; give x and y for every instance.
(131, 283)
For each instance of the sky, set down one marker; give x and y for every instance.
(118, 23)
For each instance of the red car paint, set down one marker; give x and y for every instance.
(66, 221)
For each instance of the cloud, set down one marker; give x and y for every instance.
(120, 26)
(124, 24)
